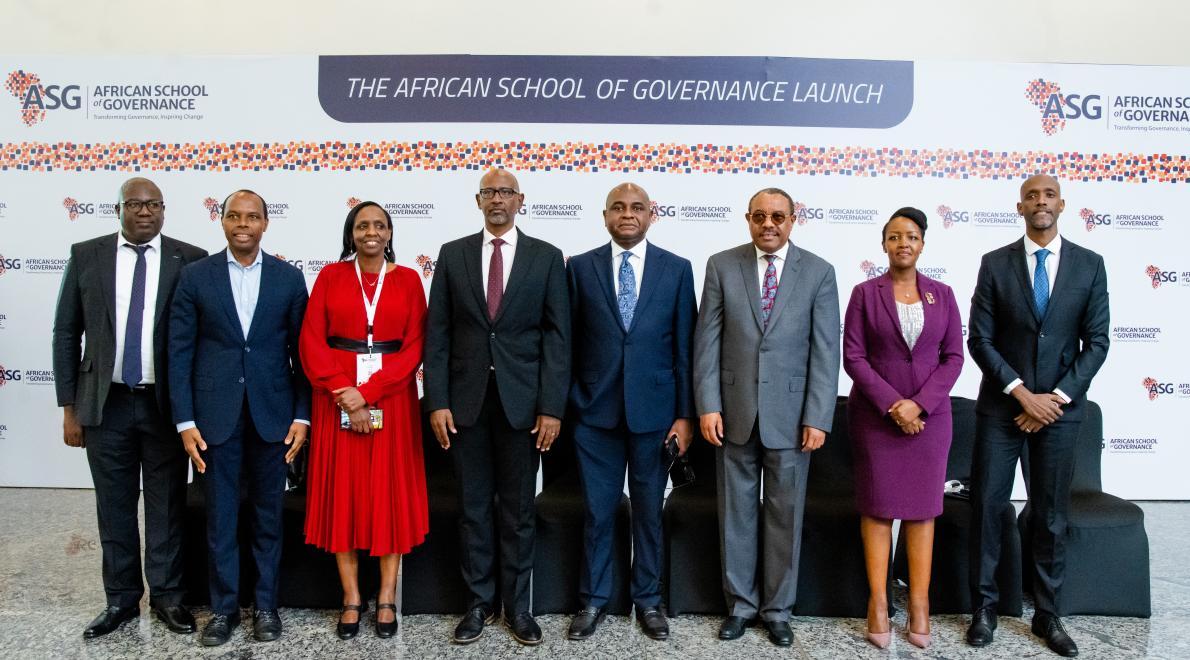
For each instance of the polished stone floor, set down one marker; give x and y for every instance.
(50, 588)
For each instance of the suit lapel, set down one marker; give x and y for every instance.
(522, 263)
(750, 269)
(1067, 269)
(603, 273)
(789, 275)
(222, 282)
(473, 265)
(267, 271)
(171, 265)
(930, 299)
(106, 258)
(649, 282)
(1019, 266)
(888, 303)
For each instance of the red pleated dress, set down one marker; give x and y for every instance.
(365, 491)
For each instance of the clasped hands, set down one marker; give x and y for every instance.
(350, 401)
(1039, 410)
(907, 415)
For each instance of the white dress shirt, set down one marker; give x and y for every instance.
(1051, 271)
(778, 263)
(125, 264)
(507, 252)
(637, 260)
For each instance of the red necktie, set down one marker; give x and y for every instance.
(495, 278)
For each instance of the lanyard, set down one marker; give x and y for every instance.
(370, 306)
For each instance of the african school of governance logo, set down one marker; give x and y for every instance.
(213, 207)
(1136, 334)
(1143, 221)
(76, 209)
(1156, 388)
(952, 217)
(1056, 108)
(1160, 277)
(871, 270)
(426, 265)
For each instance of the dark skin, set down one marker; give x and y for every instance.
(1041, 204)
(499, 217)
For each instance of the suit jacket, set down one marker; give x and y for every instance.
(641, 375)
(214, 366)
(528, 343)
(882, 368)
(1007, 339)
(87, 306)
(785, 376)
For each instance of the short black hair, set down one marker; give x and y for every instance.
(917, 216)
(772, 191)
(263, 204)
(349, 231)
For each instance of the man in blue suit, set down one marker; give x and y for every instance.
(240, 400)
(633, 312)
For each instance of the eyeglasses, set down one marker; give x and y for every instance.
(504, 193)
(135, 205)
(759, 217)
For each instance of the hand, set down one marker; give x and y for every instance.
(1045, 408)
(193, 442)
(913, 426)
(1027, 424)
(361, 421)
(812, 438)
(72, 431)
(295, 438)
(441, 421)
(711, 425)
(349, 399)
(547, 431)
(684, 431)
(904, 411)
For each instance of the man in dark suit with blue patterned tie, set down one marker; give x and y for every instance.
(633, 310)
(1039, 332)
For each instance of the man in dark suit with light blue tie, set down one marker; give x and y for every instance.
(240, 401)
(633, 310)
(1039, 332)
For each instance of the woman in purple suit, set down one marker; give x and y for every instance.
(903, 348)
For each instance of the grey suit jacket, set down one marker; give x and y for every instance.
(87, 306)
(787, 375)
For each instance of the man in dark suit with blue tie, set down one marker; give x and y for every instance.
(114, 396)
(1039, 332)
(633, 311)
(240, 401)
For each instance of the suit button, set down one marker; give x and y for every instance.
(1043, 335)
(241, 379)
(247, 349)
(908, 359)
(492, 336)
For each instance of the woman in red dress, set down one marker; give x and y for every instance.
(366, 482)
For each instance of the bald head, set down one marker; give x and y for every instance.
(140, 183)
(141, 210)
(1041, 204)
(1042, 181)
(631, 189)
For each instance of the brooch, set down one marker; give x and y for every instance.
(929, 298)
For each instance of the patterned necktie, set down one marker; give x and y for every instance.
(768, 290)
(130, 371)
(495, 278)
(1041, 283)
(627, 296)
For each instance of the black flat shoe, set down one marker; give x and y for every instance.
(1049, 627)
(218, 629)
(733, 627)
(471, 626)
(108, 620)
(177, 618)
(585, 622)
(386, 630)
(983, 626)
(266, 625)
(524, 629)
(653, 623)
(779, 632)
(350, 630)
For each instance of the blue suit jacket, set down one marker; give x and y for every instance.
(642, 375)
(213, 366)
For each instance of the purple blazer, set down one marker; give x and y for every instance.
(882, 368)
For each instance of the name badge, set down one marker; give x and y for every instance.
(376, 414)
(366, 364)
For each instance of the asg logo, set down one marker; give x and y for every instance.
(950, 216)
(1156, 388)
(426, 265)
(1159, 277)
(36, 99)
(75, 209)
(9, 376)
(353, 202)
(9, 264)
(804, 214)
(661, 211)
(871, 270)
(213, 207)
(1057, 107)
(1092, 219)
(296, 263)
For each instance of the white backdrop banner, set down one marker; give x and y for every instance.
(851, 140)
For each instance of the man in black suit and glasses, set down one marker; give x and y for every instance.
(116, 292)
(497, 374)
(1039, 332)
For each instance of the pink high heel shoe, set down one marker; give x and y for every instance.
(880, 640)
(920, 640)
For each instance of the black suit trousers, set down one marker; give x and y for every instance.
(998, 445)
(136, 442)
(492, 458)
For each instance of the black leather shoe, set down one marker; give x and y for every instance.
(983, 625)
(266, 625)
(108, 620)
(471, 627)
(779, 632)
(653, 623)
(177, 618)
(386, 629)
(584, 623)
(350, 630)
(218, 629)
(524, 629)
(1049, 627)
(733, 627)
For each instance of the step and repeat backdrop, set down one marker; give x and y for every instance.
(850, 140)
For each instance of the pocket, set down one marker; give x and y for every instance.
(85, 366)
(663, 377)
(726, 377)
(797, 383)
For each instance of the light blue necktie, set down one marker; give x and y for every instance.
(627, 296)
(1041, 283)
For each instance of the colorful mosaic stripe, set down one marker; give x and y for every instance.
(591, 157)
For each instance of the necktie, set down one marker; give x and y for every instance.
(495, 278)
(131, 368)
(1041, 283)
(627, 296)
(768, 290)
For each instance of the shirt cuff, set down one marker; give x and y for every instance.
(1065, 399)
(1012, 386)
(307, 422)
(186, 426)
